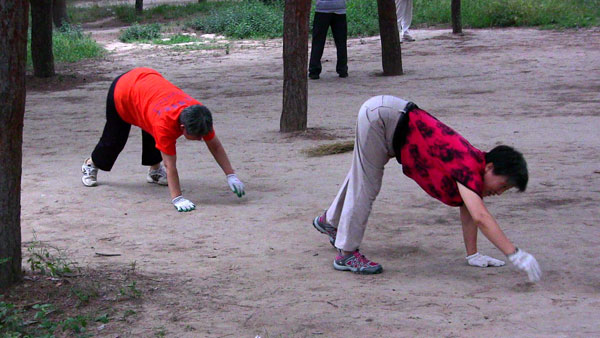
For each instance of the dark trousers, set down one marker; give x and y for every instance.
(114, 137)
(339, 28)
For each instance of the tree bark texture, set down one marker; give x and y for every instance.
(59, 13)
(456, 17)
(139, 6)
(295, 65)
(14, 16)
(41, 38)
(391, 52)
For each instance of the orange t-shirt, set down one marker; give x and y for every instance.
(146, 99)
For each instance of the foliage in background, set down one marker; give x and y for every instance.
(70, 44)
(138, 32)
(247, 19)
(127, 14)
(264, 18)
(505, 13)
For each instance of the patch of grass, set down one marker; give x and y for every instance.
(246, 19)
(362, 18)
(70, 44)
(137, 33)
(330, 149)
(175, 39)
(68, 305)
(18, 322)
(505, 13)
(127, 14)
(49, 260)
(89, 13)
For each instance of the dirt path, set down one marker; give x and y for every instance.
(256, 266)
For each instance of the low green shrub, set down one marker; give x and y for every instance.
(70, 44)
(139, 32)
(247, 19)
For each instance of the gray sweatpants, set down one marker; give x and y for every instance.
(375, 126)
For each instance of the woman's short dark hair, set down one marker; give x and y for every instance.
(196, 119)
(510, 163)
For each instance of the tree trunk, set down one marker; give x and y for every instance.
(391, 52)
(456, 18)
(41, 38)
(295, 59)
(14, 16)
(139, 6)
(59, 13)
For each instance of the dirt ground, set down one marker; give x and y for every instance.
(255, 266)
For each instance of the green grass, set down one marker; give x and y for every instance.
(70, 44)
(511, 13)
(264, 19)
(175, 39)
(126, 13)
(247, 19)
(254, 19)
(139, 33)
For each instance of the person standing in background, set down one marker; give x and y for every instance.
(404, 16)
(329, 13)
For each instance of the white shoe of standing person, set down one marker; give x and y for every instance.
(90, 173)
(407, 37)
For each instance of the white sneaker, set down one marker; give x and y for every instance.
(90, 173)
(158, 176)
(406, 37)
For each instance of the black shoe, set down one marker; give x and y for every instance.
(343, 75)
(313, 76)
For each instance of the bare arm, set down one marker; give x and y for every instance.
(482, 218)
(172, 175)
(469, 231)
(218, 152)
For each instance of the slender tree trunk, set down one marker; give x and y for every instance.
(391, 52)
(456, 17)
(139, 6)
(295, 59)
(14, 16)
(59, 13)
(41, 38)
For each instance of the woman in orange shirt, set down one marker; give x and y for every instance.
(143, 97)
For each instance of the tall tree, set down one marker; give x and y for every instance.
(391, 53)
(456, 17)
(139, 6)
(13, 55)
(41, 38)
(59, 13)
(295, 59)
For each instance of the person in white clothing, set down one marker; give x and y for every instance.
(404, 16)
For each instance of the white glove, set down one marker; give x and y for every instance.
(483, 261)
(182, 204)
(527, 263)
(236, 185)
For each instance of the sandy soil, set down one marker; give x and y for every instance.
(255, 266)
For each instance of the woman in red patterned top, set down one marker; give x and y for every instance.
(442, 162)
(143, 97)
